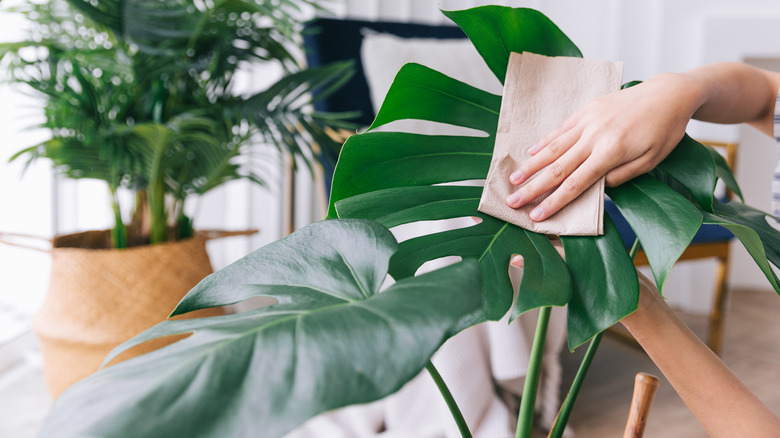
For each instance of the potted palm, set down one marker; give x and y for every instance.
(140, 95)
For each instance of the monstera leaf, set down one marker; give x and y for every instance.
(398, 178)
(332, 340)
(752, 227)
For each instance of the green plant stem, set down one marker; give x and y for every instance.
(158, 229)
(525, 416)
(119, 232)
(568, 404)
(445, 392)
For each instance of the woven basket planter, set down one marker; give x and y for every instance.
(100, 297)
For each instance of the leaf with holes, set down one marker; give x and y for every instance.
(331, 341)
(399, 178)
(396, 177)
(492, 242)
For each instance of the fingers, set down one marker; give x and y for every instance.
(627, 171)
(573, 186)
(546, 152)
(517, 260)
(557, 132)
(558, 171)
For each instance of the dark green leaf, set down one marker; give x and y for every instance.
(396, 206)
(492, 242)
(750, 226)
(723, 171)
(421, 93)
(545, 281)
(321, 257)
(385, 176)
(381, 160)
(630, 84)
(332, 341)
(605, 283)
(496, 31)
(650, 207)
(699, 180)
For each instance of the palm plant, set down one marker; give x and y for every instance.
(141, 94)
(333, 340)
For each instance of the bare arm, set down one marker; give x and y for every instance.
(627, 133)
(721, 403)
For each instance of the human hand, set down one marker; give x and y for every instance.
(620, 135)
(517, 260)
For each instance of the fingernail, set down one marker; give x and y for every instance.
(537, 214)
(517, 261)
(514, 199)
(535, 148)
(516, 177)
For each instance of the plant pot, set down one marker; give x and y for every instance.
(100, 297)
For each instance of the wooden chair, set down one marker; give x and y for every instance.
(645, 386)
(711, 241)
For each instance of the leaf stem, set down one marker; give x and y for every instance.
(119, 231)
(525, 416)
(574, 391)
(445, 392)
(568, 404)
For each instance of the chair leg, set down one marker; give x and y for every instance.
(715, 329)
(645, 386)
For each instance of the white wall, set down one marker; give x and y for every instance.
(25, 206)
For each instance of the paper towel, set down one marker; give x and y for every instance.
(541, 92)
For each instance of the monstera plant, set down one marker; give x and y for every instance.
(332, 340)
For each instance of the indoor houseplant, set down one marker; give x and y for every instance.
(344, 358)
(140, 95)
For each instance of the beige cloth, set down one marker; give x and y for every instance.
(540, 93)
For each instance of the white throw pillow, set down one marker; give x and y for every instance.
(384, 54)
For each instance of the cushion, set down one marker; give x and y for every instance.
(328, 40)
(383, 54)
(708, 233)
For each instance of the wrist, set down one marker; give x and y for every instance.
(688, 90)
(651, 312)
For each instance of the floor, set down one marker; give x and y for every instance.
(602, 407)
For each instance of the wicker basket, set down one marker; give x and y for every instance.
(100, 297)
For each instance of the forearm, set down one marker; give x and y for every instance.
(721, 403)
(729, 93)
